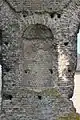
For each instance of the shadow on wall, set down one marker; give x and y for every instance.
(0, 81)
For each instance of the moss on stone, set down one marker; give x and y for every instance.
(72, 116)
(13, 27)
(52, 92)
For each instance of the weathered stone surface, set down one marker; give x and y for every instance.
(38, 57)
(38, 5)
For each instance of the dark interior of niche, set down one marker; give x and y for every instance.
(25, 13)
(39, 97)
(52, 15)
(69, 70)
(59, 15)
(25, 71)
(7, 96)
(70, 95)
(51, 71)
(13, 84)
(6, 43)
(66, 43)
(6, 68)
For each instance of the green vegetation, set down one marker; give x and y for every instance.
(72, 116)
(52, 92)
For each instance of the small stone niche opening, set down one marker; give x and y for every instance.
(6, 43)
(7, 97)
(39, 97)
(5, 67)
(40, 57)
(59, 15)
(52, 15)
(66, 43)
(51, 71)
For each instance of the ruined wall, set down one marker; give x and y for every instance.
(38, 41)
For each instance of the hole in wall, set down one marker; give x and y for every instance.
(52, 15)
(6, 68)
(27, 71)
(13, 84)
(7, 97)
(69, 70)
(39, 97)
(70, 96)
(59, 15)
(51, 71)
(25, 13)
(66, 43)
(6, 43)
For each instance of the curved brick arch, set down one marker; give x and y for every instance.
(36, 31)
(52, 101)
(38, 19)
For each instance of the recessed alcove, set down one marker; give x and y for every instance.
(37, 31)
(66, 43)
(52, 15)
(7, 96)
(40, 57)
(39, 97)
(59, 15)
(6, 43)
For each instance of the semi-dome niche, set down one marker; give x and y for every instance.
(40, 57)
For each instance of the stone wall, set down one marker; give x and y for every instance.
(38, 58)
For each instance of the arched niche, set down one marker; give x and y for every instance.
(39, 57)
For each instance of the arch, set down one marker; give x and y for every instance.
(40, 57)
(38, 19)
(37, 31)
